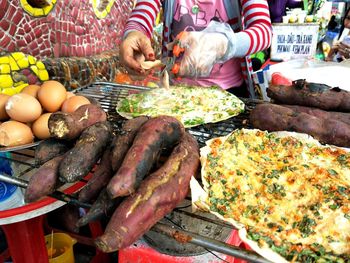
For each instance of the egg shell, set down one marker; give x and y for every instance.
(69, 94)
(14, 133)
(31, 90)
(3, 114)
(23, 107)
(73, 103)
(40, 127)
(51, 95)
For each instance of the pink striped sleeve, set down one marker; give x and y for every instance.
(257, 25)
(143, 16)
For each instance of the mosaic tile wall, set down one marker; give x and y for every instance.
(70, 27)
(72, 41)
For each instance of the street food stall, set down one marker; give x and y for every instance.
(108, 95)
(133, 169)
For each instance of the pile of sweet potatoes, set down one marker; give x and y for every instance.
(315, 109)
(77, 142)
(138, 175)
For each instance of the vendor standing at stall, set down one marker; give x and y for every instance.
(341, 48)
(214, 44)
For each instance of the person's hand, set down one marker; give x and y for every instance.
(344, 50)
(135, 48)
(198, 52)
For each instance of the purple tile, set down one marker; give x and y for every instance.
(5, 41)
(12, 29)
(18, 16)
(28, 38)
(11, 47)
(21, 43)
(4, 24)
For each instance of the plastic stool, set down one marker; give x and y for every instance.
(26, 241)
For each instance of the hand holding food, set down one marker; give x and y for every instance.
(133, 47)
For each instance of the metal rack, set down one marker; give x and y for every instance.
(107, 95)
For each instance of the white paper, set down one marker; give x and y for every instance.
(329, 73)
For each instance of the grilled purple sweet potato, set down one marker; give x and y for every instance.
(124, 140)
(340, 116)
(43, 181)
(100, 178)
(312, 95)
(88, 149)
(69, 126)
(50, 148)
(156, 134)
(158, 195)
(103, 206)
(272, 117)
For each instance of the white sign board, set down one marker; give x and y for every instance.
(291, 41)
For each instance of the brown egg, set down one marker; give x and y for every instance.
(31, 90)
(51, 95)
(69, 94)
(73, 103)
(23, 107)
(13, 133)
(3, 114)
(40, 127)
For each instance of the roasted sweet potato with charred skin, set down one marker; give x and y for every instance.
(124, 140)
(69, 126)
(103, 206)
(340, 116)
(43, 181)
(158, 195)
(156, 134)
(88, 149)
(312, 95)
(50, 148)
(272, 117)
(100, 178)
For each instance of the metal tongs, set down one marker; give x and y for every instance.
(69, 199)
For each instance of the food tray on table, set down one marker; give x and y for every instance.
(108, 95)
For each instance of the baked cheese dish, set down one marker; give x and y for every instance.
(289, 195)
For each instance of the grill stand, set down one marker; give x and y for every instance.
(17, 222)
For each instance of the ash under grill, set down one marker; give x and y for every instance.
(204, 224)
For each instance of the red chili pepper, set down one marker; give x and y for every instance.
(175, 69)
(177, 50)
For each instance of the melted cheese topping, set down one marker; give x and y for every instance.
(190, 105)
(291, 195)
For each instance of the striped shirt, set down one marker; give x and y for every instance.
(255, 35)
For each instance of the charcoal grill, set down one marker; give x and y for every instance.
(107, 95)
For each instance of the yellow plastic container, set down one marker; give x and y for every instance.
(60, 248)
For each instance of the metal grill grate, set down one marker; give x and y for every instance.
(107, 95)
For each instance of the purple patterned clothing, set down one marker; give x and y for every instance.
(278, 8)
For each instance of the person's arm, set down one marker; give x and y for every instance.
(143, 17)
(136, 45)
(258, 30)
